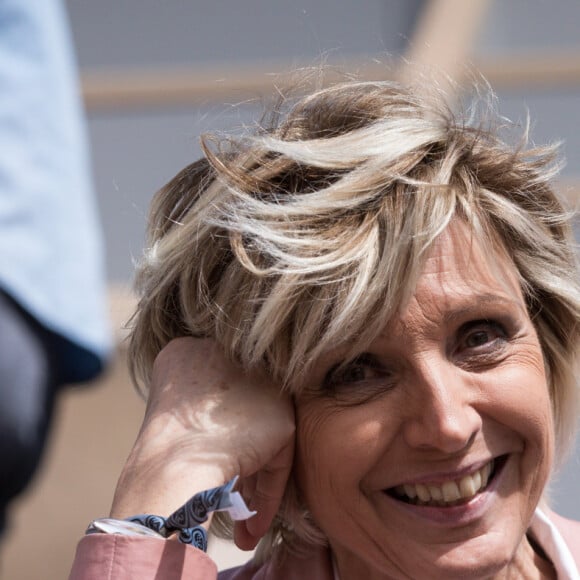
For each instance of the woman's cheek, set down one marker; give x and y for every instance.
(336, 444)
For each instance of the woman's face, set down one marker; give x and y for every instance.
(426, 456)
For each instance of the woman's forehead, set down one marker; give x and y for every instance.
(460, 268)
(458, 250)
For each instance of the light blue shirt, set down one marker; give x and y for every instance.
(51, 257)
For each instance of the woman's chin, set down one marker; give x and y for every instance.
(480, 557)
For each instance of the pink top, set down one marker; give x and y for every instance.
(115, 557)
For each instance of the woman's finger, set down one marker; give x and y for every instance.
(268, 486)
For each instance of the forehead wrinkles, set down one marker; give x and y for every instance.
(459, 275)
(461, 261)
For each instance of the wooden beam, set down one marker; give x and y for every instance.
(569, 188)
(105, 90)
(545, 71)
(122, 89)
(443, 41)
(154, 87)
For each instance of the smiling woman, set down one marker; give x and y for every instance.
(370, 313)
(450, 435)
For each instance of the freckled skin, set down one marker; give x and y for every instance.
(458, 378)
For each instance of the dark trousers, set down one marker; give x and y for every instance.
(28, 386)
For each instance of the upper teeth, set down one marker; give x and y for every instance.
(448, 491)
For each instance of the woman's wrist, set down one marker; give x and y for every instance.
(188, 524)
(167, 465)
(162, 489)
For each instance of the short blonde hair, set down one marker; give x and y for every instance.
(308, 234)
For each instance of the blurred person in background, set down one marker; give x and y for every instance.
(53, 322)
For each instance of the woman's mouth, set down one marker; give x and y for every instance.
(448, 493)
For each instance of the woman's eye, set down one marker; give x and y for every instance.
(481, 335)
(364, 369)
(350, 374)
(478, 338)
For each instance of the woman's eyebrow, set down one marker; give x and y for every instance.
(474, 307)
(464, 308)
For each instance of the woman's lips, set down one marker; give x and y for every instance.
(448, 493)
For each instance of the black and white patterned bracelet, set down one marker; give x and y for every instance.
(185, 521)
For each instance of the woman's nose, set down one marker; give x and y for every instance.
(441, 413)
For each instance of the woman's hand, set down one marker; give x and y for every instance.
(205, 422)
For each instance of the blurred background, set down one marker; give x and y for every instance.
(155, 74)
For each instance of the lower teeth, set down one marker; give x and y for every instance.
(439, 503)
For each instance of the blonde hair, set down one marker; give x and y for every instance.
(308, 234)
